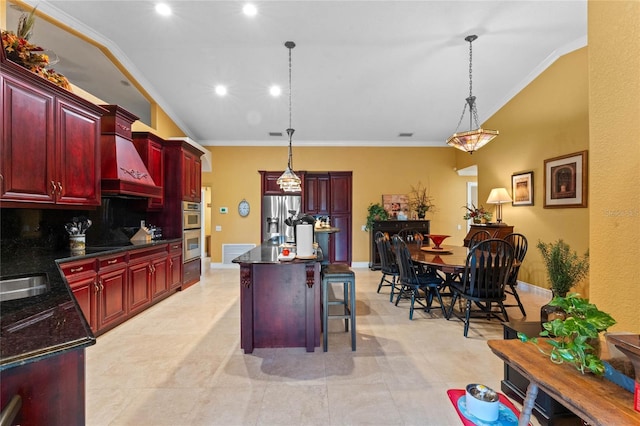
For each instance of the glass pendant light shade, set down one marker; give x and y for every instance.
(471, 140)
(289, 181)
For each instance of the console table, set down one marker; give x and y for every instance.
(496, 231)
(594, 399)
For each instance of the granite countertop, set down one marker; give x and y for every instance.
(268, 251)
(51, 323)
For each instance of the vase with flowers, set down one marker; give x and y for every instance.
(420, 201)
(477, 214)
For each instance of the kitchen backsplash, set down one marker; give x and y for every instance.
(116, 220)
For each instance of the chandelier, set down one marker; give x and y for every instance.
(289, 181)
(473, 139)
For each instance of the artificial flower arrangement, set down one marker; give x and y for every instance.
(19, 50)
(476, 213)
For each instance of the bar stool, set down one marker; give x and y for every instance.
(339, 273)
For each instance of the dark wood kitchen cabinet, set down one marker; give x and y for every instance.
(174, 274)
(151, 150)
(82, 278)
(112, 291)
(49, 153)
(316, 194)
(191, 175)
(269, 182)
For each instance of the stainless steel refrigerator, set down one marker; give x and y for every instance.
(275, 210)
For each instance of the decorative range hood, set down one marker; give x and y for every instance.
(123, 171)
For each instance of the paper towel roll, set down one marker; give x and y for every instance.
(304, 240)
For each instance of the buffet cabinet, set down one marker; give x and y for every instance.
(495, 230)
(112, 288)
(51, 133)
(391, 227)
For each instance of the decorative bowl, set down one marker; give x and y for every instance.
(437, 239)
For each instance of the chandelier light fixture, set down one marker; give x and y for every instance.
(473, 139)
(289, 181)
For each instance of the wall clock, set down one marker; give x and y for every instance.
(244, 208)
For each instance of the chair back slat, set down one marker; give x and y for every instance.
(387, 257)
(487, 269)
(406, 268)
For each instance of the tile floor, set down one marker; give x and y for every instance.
(180, 363)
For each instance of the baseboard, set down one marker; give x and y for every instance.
(534, 289)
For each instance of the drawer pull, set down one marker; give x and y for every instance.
(81, 268)
(111, 262)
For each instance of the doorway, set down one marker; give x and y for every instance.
(472, 198)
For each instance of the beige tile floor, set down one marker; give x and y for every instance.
(180, 363)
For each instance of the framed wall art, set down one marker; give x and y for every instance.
(565, 181)
(522, 189)
(397, 205)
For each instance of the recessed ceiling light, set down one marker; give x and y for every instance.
(249, 10)
(163, 9)
(275, 91)
(221, 90)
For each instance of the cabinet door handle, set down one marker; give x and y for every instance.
(59, 188)
(111, 262)
(53, 188)
(81, 268)
(101, 285)
(171, 263)
(12, 409)
(96, 284)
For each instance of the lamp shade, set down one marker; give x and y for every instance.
(498, 196)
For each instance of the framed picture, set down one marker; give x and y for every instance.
(397, 205)
(565, 181)
(522, 189)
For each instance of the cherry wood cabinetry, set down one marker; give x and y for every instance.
(174, 273)
(269, 182)
(316, 194)
(191, 175)
(51, 133)
(112, 288)
(82, 278)
(52, 390)
(112, 291)
(496, 231)
(151, 150)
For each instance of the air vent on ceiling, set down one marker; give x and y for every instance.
(275, 133)
(405, 135)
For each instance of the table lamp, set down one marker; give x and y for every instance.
(498, 196)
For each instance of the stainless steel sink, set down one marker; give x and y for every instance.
(12, 288)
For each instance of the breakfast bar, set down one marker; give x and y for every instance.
(279, 299)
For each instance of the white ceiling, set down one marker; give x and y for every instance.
(363, 71)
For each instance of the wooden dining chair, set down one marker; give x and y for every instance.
(479, 236)
(520, 246)
(388, 265)
(416, 284)
(486, 273)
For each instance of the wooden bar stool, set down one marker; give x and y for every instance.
(339, 273)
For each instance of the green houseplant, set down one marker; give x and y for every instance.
(564, 270)
(375, 212)
(576, 338)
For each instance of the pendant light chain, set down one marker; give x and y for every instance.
(290, 45)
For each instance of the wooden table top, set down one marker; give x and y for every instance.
(451, 260)
(594, 399)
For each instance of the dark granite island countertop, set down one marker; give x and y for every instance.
(279, 300)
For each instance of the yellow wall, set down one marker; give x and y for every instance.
(376, 171)
(548, 118)
(614, 85)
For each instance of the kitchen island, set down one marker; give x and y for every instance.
(279, 300)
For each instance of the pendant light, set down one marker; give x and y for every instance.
(289, 181)
(473, 139)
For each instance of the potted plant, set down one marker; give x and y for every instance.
(576, 338)
(564, 270)
(420, 201)
(478, 214)
(375, 212)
